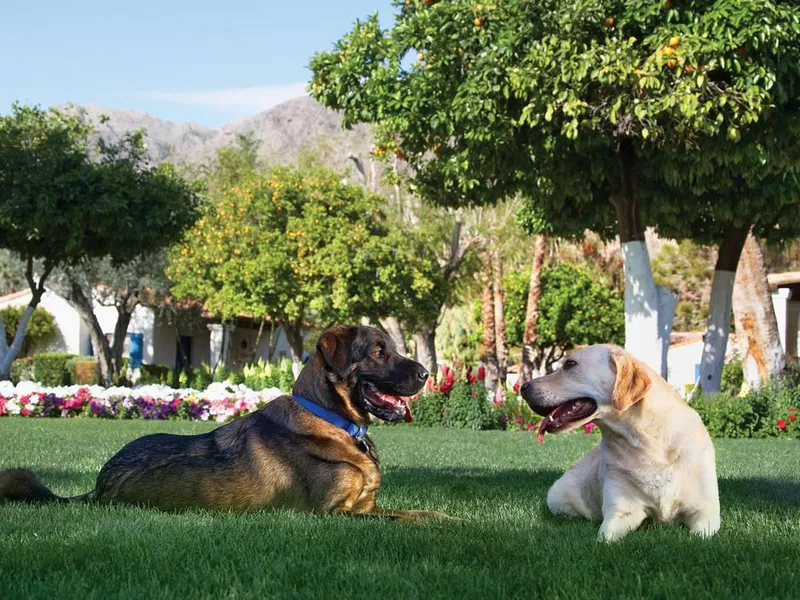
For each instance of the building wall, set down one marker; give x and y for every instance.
(787, 313)
(682, 364)
(71, 335)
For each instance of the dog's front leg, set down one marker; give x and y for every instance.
(622, 511)
(619, 521)
(703, 522)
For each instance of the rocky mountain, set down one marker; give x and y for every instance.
(286, 132)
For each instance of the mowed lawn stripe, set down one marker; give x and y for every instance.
(506, 543)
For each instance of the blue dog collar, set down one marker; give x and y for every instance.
(351, 428)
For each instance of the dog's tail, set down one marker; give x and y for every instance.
(20, 485)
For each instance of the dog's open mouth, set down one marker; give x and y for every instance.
(385, 406)
(563, 416)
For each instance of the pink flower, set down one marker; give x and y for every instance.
(781, 424)
(531, 427)
(518, 421)
(25, 411)
(589, 427)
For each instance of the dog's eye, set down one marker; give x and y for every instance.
(379, 352)
(569, 363)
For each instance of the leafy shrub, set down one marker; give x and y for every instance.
(153, 374)
(732, 378)
(41, 326)
(21, 370)
(85, 372)
(262, 375)
(727, 416)
(758, 414)
(220, 374)
(202, 377)
(428, 409)
(515, 414)
(467, 407)
(51, 368)
(236, 378)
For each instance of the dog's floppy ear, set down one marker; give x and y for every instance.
(632, 381)
(336, 346)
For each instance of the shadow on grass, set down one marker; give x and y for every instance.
(770, 491)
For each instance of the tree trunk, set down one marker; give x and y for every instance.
(9, 353)
(83, 305)
(395, 331)
(500, 340)
(124, 313)
(719, 314)
(426, 348)
(648, 308)
(294, 335)
(531, 334)
(488, 350)
(756, 326)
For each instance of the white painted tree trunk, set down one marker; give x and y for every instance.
(719, 327)
(9, 353)
(649, 309)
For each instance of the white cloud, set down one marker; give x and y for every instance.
(244, 100)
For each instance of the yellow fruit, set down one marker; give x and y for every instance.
(672, 63)
(478, 22)
(420, 57)
(674, 42)
(610, 22)
(668, 51)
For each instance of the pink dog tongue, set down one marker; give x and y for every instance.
(542, 428)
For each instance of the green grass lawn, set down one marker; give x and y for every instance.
(506, 545)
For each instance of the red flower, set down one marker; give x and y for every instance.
(25, 411)
(589, 427)
(531, 427)
(781, 424)
(518, 421)
(791, 409)
(470, 377)
(516, 386)
(481, 373)
(792, 418)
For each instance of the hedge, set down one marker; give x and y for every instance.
(52, 369)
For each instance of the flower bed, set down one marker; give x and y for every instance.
(220, 401)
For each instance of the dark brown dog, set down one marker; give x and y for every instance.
(282, 456)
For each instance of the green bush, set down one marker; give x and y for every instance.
(21, 370)
(467, 407)
(732, 378)
(52, 368)
(154, 374)
(202, 377)
(757, 414)
(220, 374)
(428, 409)
(236, 377)
(41, 326)
(515, 414)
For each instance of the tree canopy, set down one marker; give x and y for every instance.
(67, 196)
(301, 247)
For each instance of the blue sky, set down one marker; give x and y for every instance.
(207, 62)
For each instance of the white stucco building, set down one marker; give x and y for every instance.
(159, 341)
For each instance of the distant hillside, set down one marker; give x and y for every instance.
(286, 132)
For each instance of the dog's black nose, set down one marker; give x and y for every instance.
(525, 387)
(423, 374)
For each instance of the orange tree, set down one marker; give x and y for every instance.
(300, 246)
(569, 103)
